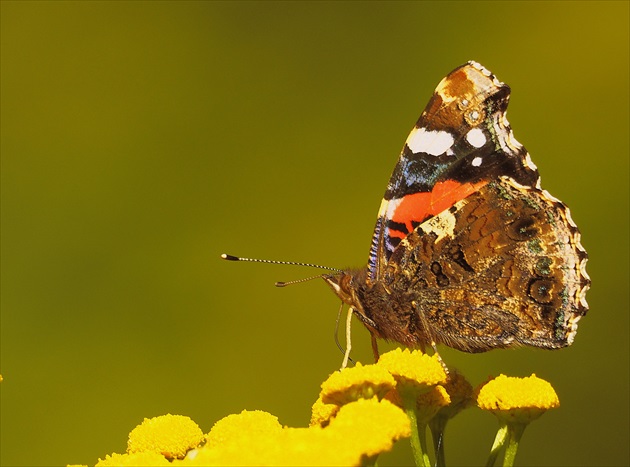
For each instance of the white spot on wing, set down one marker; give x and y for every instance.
(476, 137)
(474, 115)
(388, 208)
(383, 208)
(476, 162)
(434, 143)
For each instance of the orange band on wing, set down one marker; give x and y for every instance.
(419, 206)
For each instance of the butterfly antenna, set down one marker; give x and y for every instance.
(271, 261)
(297, 281)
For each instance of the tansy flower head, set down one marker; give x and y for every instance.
(359, 382)
(254, 423)
(413, 370)
(370, 426)
(518, 400)
(169, 435)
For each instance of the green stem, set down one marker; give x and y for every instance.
(499, 442)
(437, 426)
(422, 434)
(418, 440)
(515, 431)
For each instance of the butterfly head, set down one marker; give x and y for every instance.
(351, 287)
(343, 284)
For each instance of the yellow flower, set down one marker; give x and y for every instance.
(370, 426)
(413, 370)
(253, 423)
(169, 435)
(359, 382)
(518, 400)
(515, 402)
(136, 459)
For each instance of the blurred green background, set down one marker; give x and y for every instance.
(142, 139)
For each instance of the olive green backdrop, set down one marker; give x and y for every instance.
(142, 140)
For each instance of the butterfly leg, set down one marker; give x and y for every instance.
(437, 354)
(428, 336)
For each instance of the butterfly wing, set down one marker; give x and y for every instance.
(502, 267)
(461, 141)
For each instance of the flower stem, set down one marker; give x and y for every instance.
(422, 434)
(515, 431)
(437, 426)
(499, 442)
(418, 440)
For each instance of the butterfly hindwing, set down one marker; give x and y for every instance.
(502, 267)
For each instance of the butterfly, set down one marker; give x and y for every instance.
(468, 250)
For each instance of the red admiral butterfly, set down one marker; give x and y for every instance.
(468, 250)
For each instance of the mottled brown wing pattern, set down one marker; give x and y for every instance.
(501, 268)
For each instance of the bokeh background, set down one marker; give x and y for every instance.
(140, 140)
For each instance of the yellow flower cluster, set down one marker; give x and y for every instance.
(361, 429)
(360, 413)
(396, 372)
(356, 417)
